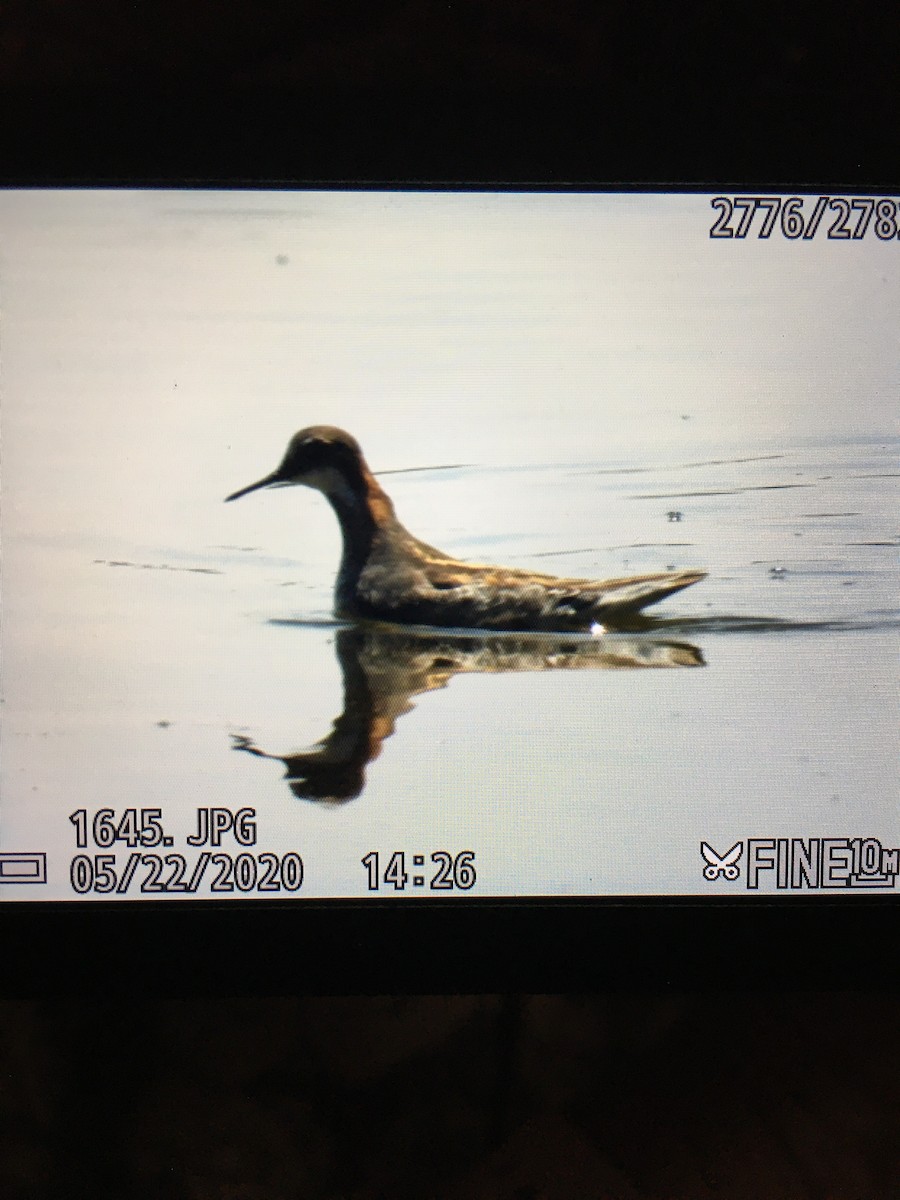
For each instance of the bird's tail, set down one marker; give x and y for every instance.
(622, 596)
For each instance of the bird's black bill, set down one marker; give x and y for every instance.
(260, 483)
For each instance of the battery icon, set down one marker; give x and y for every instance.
(23, 868)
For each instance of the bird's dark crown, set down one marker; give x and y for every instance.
(328, 459)
(320, 447)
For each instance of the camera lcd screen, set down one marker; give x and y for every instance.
(561, 556)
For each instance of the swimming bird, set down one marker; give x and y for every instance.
(386, 574)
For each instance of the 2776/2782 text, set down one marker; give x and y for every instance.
(838, 218)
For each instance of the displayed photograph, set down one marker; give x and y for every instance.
(377, 544)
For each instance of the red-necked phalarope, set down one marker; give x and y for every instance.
(386, 574)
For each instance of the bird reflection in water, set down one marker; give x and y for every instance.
(385, 667)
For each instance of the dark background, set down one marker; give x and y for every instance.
(676, 1082)
(625, 1096)
(512, 90)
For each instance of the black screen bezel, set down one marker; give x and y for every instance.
(564, 137)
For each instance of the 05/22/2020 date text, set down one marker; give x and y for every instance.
(172, 874)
